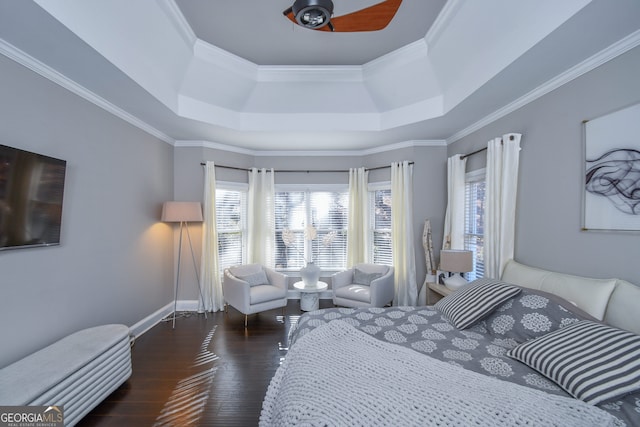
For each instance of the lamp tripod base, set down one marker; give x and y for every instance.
(175, 299)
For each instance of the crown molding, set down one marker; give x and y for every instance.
(589, 64)
(224, 59)
(316, 153)
(414, 51)
(406, 144)
(310, 73)
(212, 145)
(173, 12)
(54, 76)
(448, 12)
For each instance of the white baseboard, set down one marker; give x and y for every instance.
(188, 305)
(156, 317)
(151, 320)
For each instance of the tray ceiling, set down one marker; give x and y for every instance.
(240, 75)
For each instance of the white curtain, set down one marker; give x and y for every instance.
(500, 202)
(357, 225)
(454, 215)
(261, 233)
(211, 283)
(402, 240)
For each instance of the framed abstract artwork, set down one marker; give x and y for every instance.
(611, 179)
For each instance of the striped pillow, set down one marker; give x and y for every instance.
(475, 301)
(591, 361)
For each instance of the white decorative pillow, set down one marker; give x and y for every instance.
(591, 361)
(475, 301)
(363, 278)
(255, 279)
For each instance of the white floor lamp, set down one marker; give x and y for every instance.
(183, 212)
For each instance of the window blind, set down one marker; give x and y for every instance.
(230, 223)
(380, 220)
(326, 212)
(474, 225)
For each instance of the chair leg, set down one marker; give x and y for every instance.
(245, 321)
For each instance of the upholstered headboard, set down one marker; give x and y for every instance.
(614, 301)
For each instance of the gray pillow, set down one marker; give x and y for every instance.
(362, 278)
(532, 314)
(255, 279)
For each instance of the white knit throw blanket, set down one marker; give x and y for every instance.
(337, 375)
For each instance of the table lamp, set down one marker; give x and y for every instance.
(455, 262)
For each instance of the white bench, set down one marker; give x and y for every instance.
(76, 372)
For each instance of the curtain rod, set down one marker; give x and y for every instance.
(482, 149)
(299, 170)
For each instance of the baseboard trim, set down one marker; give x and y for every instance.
(151, 320)
(139, 328)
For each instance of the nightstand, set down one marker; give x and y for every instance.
(439, 289)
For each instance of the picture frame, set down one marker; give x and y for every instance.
(611, 174)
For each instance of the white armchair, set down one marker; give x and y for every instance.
(252, 288)
(364, 285)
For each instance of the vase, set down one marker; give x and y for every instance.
(310, 274)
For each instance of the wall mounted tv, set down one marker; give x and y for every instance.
(31, 190)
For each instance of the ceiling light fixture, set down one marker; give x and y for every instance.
(312, 14)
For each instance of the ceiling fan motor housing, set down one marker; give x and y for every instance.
(313, 13)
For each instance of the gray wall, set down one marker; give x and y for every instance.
(429, 184)
(548, 221)
(115, 262)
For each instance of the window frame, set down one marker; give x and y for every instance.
(473, 177)
(371, 189)
(242, 188)
(308, 189)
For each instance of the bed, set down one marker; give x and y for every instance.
(534, 348)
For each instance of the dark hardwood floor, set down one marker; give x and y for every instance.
(205, 372)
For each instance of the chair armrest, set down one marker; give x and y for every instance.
(276, 278)
(236, 291)
(384, 278)
(342, 278)
(383, 289)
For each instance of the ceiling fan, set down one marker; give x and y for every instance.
(318, 15)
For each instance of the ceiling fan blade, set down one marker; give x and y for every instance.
(372, 18)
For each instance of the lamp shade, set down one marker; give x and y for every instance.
(456, 261)
(181, 212)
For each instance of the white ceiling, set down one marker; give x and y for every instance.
(241, 76)
(258, 31)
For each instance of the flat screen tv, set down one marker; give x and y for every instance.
(31, 191)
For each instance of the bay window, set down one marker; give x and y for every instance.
(311, 225)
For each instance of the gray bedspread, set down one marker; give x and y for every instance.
(481, 348)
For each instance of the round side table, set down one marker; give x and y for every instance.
(310, 295)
